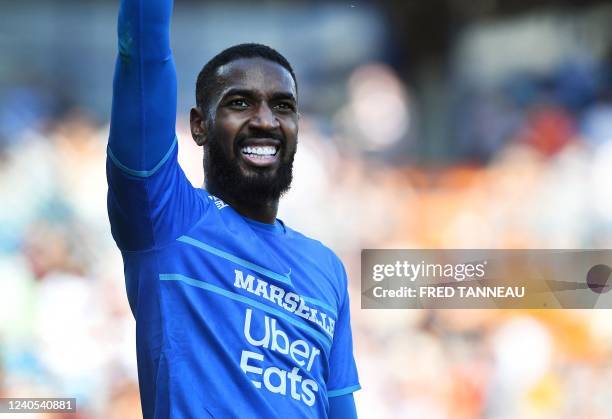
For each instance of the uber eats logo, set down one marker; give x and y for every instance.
(277, 380)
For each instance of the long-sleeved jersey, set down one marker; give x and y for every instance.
(234, 318)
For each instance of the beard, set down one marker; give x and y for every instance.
(225, 178)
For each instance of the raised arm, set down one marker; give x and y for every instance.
(150, 201)
(144, 90)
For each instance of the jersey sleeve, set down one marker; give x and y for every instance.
(342, 407)
(150, 200)
(343, 378)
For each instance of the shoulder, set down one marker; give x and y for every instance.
(322, 255)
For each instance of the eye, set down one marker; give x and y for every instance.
(284, 106)
(238, 103)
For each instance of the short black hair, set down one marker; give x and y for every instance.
(206, 78)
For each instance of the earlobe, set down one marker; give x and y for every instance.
(201, 138)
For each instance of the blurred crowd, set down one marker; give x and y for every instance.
(531, 169)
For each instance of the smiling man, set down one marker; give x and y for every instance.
(237, 315)
(246, 119)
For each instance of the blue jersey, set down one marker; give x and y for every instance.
(234, 318)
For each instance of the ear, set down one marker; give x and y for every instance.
(199, 130)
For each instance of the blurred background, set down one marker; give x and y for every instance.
(439, 124)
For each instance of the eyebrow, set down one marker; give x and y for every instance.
(249, 94)
(283, 96)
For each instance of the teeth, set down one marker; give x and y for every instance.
(260, 150)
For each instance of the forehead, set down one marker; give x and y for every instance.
(255, 74)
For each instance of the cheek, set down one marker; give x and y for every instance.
(230, 124)
(227, 128)
(290, 127)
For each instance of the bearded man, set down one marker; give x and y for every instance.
(237, 315)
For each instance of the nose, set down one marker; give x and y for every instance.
(264, 118)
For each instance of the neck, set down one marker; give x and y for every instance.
(263, 211)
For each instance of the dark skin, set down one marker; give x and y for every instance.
(253, 98)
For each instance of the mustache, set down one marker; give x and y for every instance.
(260, 134)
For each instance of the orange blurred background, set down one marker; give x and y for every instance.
(447, 125)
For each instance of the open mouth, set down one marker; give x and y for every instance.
(260, 155)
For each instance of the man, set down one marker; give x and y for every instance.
(237, 315)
